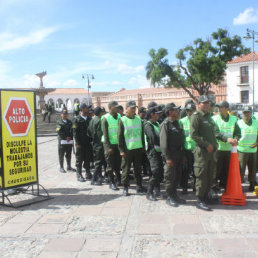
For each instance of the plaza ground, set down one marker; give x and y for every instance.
(93, 221)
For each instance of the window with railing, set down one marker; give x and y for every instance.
(244, 78)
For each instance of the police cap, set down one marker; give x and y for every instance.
(190, 106)
(113, 103)
(64, 111)
(171, 106)
(247, 109)
(142, 110)
(131, 103)
(203, 98)
(223, 104)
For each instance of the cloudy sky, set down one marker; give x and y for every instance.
(107, 38)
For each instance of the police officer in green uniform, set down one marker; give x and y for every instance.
(172, 147)
(112, 154)
(64, 128)
(189, 147)
(203, 131)
(152, 146)
(95, 132)
(227, 127)
(142, 111)
(76, 109)
(247, 146)
(131, 146)
(82, 142)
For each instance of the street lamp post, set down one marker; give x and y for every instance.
(89, 77)
(250, 34)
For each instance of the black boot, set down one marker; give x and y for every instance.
(69, 167)
(140, 189)
(88, 175)
(125, 191)
(172, 202)
(202, 205)
(61, 170)
(113, 186)
(150, 196)
(79, 176)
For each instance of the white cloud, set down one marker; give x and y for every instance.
(248, 16)
(71, 83)
(139, 81)
(126, 69)
(9, 41)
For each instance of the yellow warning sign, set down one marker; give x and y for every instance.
(18, 143)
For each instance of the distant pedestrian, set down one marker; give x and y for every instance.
(64, 128)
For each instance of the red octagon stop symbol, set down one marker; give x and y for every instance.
(18, 116)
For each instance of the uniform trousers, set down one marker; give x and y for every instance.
(113, 163)
(204, 170)
(65, 150)
(132, 157)
(156, 166)
(247, 160)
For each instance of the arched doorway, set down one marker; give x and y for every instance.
(69, 104)
(59, 104)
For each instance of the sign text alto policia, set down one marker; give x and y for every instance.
(18, 139)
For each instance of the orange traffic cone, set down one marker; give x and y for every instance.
(233, 194)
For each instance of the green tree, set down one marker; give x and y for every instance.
(199, 65)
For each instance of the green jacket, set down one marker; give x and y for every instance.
(171, 138)
(64, 130)
(95, 131)
(151, 135)
(80, 130)
(203, 129)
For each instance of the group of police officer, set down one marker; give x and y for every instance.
(170, 145)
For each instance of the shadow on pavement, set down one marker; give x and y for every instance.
(61, 197)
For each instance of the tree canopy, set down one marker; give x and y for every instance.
(199, 65)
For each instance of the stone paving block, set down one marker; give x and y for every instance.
(25, 218)
(103, 245)
(153, 219)
(115, 211)
(253, 243)
(53, 219)
(119, 204)
(98, 255)
(237, 255)
(65, 245)
(226, 246)
(154, 229)
(58, 255)
(184, 218)
(87, 211)
(9, 228)
(188, 229)
(45, 229)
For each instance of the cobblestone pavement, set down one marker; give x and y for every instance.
(93, 221)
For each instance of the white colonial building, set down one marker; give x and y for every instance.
(240, 79)
(61, 97)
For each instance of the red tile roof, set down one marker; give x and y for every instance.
(75, 91)
(244, 58)
(124, 92)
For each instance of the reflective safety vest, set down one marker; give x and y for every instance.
(76, 107)
(156, 130)
(189, 142)
(248, 136)
(112, 127)
(226, 129)
(132, 132)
